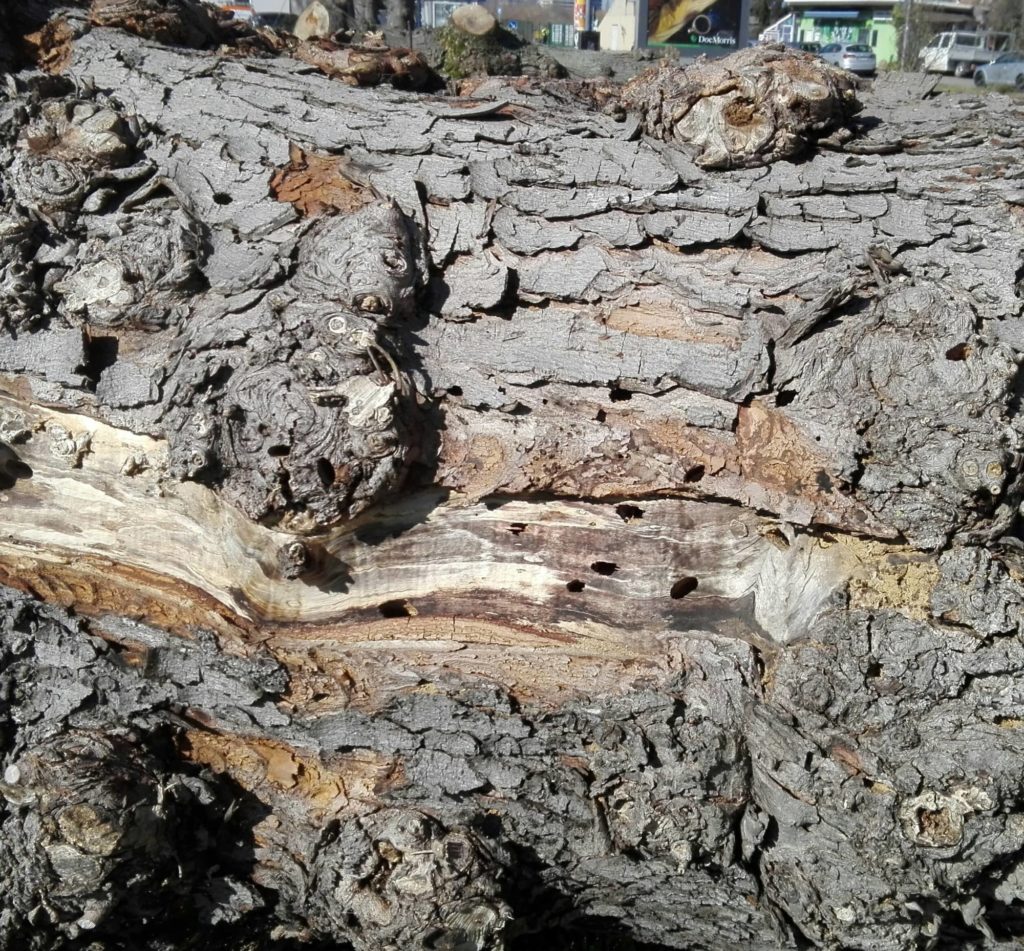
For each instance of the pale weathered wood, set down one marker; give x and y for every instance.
(427, 522)
(474, 19)
(315, 20)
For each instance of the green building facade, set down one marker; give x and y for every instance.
(871, 22)
(873, 28)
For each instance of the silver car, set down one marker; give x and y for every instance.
(856, 57)
(1005, 70)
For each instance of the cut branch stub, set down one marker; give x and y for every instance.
(428, 882)
(369, 261)
(474, 19)
(134, 269)
(758, 106)
(314, 21)
(367, 66)
(178, 22)
(98, 832)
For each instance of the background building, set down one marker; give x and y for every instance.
(694, 27)
(876, 23)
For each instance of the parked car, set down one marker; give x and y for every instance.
(856, 57)
(961, 52)
(240, 10)
(1004, 70)
(804, 47)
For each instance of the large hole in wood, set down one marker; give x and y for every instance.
(397, 608)
(785, 397)
(325, 470)
(684, 586)
(490, 826)
(222, 198)
(12, 469)
(604, 567)
(575, 586)
(629, 512)
(694, 474)
(618, 395)
(101, 354)
(455, 390)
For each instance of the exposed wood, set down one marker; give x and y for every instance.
(759, 105)
(430, 521)
(474, 19)
(368, 66)
(314, 21)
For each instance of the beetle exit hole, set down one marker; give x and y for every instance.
(684, 586)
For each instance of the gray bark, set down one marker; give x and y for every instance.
(427, 524)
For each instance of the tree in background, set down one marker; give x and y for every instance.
(1007, 16)
(362, 15)
(764, 13)
(913, 29)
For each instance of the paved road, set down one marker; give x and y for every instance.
(955, 84)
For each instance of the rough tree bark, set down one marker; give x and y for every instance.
(428, 522)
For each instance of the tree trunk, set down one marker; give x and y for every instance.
(400, 15)
(427, 523)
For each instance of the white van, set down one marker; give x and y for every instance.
(959, 52)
